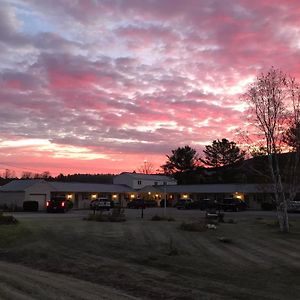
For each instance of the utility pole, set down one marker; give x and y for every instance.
(165, 200)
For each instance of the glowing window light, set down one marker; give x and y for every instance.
(115, 196)
(132, 196)
(69, 196)
(185, 196)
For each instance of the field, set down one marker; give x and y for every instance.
(62, 256)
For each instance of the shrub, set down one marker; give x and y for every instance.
(30, 206)
(162, 218)
(7, 220)
(196, 226)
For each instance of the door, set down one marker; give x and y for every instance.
(40, 198)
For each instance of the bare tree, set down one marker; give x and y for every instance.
(8, 174)
(274, 100)
(27, 175)
(146, 168)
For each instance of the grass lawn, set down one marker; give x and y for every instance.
(156, 260)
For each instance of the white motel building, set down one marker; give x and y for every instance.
(125, 188)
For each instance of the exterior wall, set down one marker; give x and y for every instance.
(12, 200)
(137, 183)
(123, 179)
(38, 192)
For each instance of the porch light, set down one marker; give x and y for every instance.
(149, 193)
(132, 196)
(69, 196)
(94, 196)
(185, 196)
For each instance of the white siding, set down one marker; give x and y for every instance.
(123, 179)
(12, 200)
(40, 198)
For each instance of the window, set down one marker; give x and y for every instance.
(139, 182)
(155, 183)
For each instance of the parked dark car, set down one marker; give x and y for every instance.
(293, 206)
(207, 204)
(184, 204)
(58, 204)
(101, 204)
(232, 204)
(136, 204)
(139, 203)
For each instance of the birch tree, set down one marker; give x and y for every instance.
(274, 109)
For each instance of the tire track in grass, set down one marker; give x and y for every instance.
(25, 283)
(237, 249)
(292, 245)
(224, 255)
(268, 254)
(281, 253)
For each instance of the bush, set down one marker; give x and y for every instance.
(7, 220)
(162, 218)
(196, 226)
(30, 206)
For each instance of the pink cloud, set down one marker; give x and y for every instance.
(133, 79)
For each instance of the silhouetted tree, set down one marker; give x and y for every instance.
(292, 137)
(222, 153)
(27, 175)
(182, 159)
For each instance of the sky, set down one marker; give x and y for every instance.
(100, 86)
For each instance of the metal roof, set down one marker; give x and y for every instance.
(19, 185)
(143, 176)
(89, 187)
(219, 188)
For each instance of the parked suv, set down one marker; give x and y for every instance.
(184, 204)
(58, 204)
(232, 204)
(140, 203)
(101, 204)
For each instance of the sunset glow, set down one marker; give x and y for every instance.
(100, 86)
